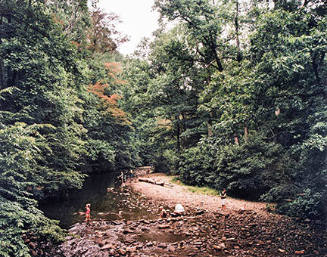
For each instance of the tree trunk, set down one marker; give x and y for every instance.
(1, 61)
(178, 132)
(237, 30)
(246, 133)
(217, 59)
(315, 68)
(1, 75)
(210, 133)
(183, 128)
(236, 140)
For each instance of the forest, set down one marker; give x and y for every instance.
(232, 95)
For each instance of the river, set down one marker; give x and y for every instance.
(106, 204)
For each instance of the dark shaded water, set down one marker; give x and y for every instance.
(112, 205)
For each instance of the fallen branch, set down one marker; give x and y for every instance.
(151, 181)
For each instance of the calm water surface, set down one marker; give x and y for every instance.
(105, 205)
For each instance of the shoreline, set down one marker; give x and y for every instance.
(203, 231)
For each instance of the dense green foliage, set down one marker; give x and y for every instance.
(54, 128)
(234, 96)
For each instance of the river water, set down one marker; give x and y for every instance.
(106, 204)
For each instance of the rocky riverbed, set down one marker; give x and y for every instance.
(199, 232)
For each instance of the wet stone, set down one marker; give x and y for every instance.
(126, 231)
(145, 229)
(107, 247)
(220, 246)
(171, 249)
(163, 226)
(149, 244)
(122, 251)
(139, 246)
(162, 245)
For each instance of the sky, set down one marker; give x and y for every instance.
(138, 20)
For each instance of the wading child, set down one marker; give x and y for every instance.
(88, 213)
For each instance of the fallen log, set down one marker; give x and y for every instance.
(148, 180)
(151, 181)
(160, 183)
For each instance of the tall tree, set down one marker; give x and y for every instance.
(255, 73)
(202, 22)
(103, 36)
(46, 122)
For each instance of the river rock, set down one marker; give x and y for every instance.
(145, 228)
(122, 251)
(107, 247)
(130, 241)
(100, 242)
(163, 226)
(199, 212)
(139, 246)
(220, 246)
(171, 248)
(127, 230)
(131, 249)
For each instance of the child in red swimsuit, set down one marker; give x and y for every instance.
(88, 212)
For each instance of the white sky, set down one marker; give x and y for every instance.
(138, 20)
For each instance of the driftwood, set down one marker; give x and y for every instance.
(151, 181)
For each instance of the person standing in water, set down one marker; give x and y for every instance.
(88, 213)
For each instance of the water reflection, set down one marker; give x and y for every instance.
(105, 204)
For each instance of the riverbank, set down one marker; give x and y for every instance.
(173, 193)
(244, 229)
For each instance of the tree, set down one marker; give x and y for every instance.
(102, 35)
(22, 178)
(109, 141)
(295, 63)
(201, 20)
(253, 73)
(44, 128)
